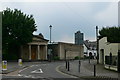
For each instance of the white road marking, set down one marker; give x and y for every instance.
(25, 68)
(12, 75)
(28, 76)
(32, 65)
(37, 71)
(19, 75)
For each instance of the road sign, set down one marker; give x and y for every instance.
(4, 65)
(20, 62)
(49, 51)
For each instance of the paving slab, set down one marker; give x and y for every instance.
(87, 70)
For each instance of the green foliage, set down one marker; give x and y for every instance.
(86, 57)
(56, 58)
(0, 30)
(112, 34)
(17, 29)
(7, 56)
(77, 57)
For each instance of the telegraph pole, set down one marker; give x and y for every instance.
(97, 38)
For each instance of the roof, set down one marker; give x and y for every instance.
(65, 43)
(90, 44)
(40, 37)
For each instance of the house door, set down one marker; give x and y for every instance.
(33, 52)
(90, 55)
(102, 53)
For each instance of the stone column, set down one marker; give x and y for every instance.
(29, 52)
(38, 52)
(46, 51)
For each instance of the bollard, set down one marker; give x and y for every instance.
(79, 66)
(89, 59)
(20, 62)
(4, 65)
(68, 66)
(50, 58)
(94, 70)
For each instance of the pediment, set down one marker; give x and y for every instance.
(35, 38)
(39, 39)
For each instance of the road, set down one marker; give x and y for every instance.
(46, 71)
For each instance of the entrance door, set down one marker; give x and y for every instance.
(33, 52)
(102, 53)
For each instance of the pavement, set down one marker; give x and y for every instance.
(87, 70)
(12, 66)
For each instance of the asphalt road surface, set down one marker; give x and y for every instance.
(46, 71)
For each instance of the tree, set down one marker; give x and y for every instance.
(17, 30)
(112, 34)
(0, 31)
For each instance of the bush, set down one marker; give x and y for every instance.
(56, 58)
(77, 57)
(86, 57)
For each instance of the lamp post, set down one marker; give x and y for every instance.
(50, 44)
(50, 33)
(97, 44)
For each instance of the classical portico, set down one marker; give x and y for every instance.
(35, 50)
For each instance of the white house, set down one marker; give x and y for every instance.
(108, 53)
(90, 48)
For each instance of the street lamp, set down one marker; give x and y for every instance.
(50, 44)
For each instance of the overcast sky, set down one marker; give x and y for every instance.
(68, 17)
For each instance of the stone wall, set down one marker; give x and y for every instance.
(72, 50)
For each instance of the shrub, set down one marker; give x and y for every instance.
(77, 57)
(56, 58)
(86, 57)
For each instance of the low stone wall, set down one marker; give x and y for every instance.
(114, 68)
